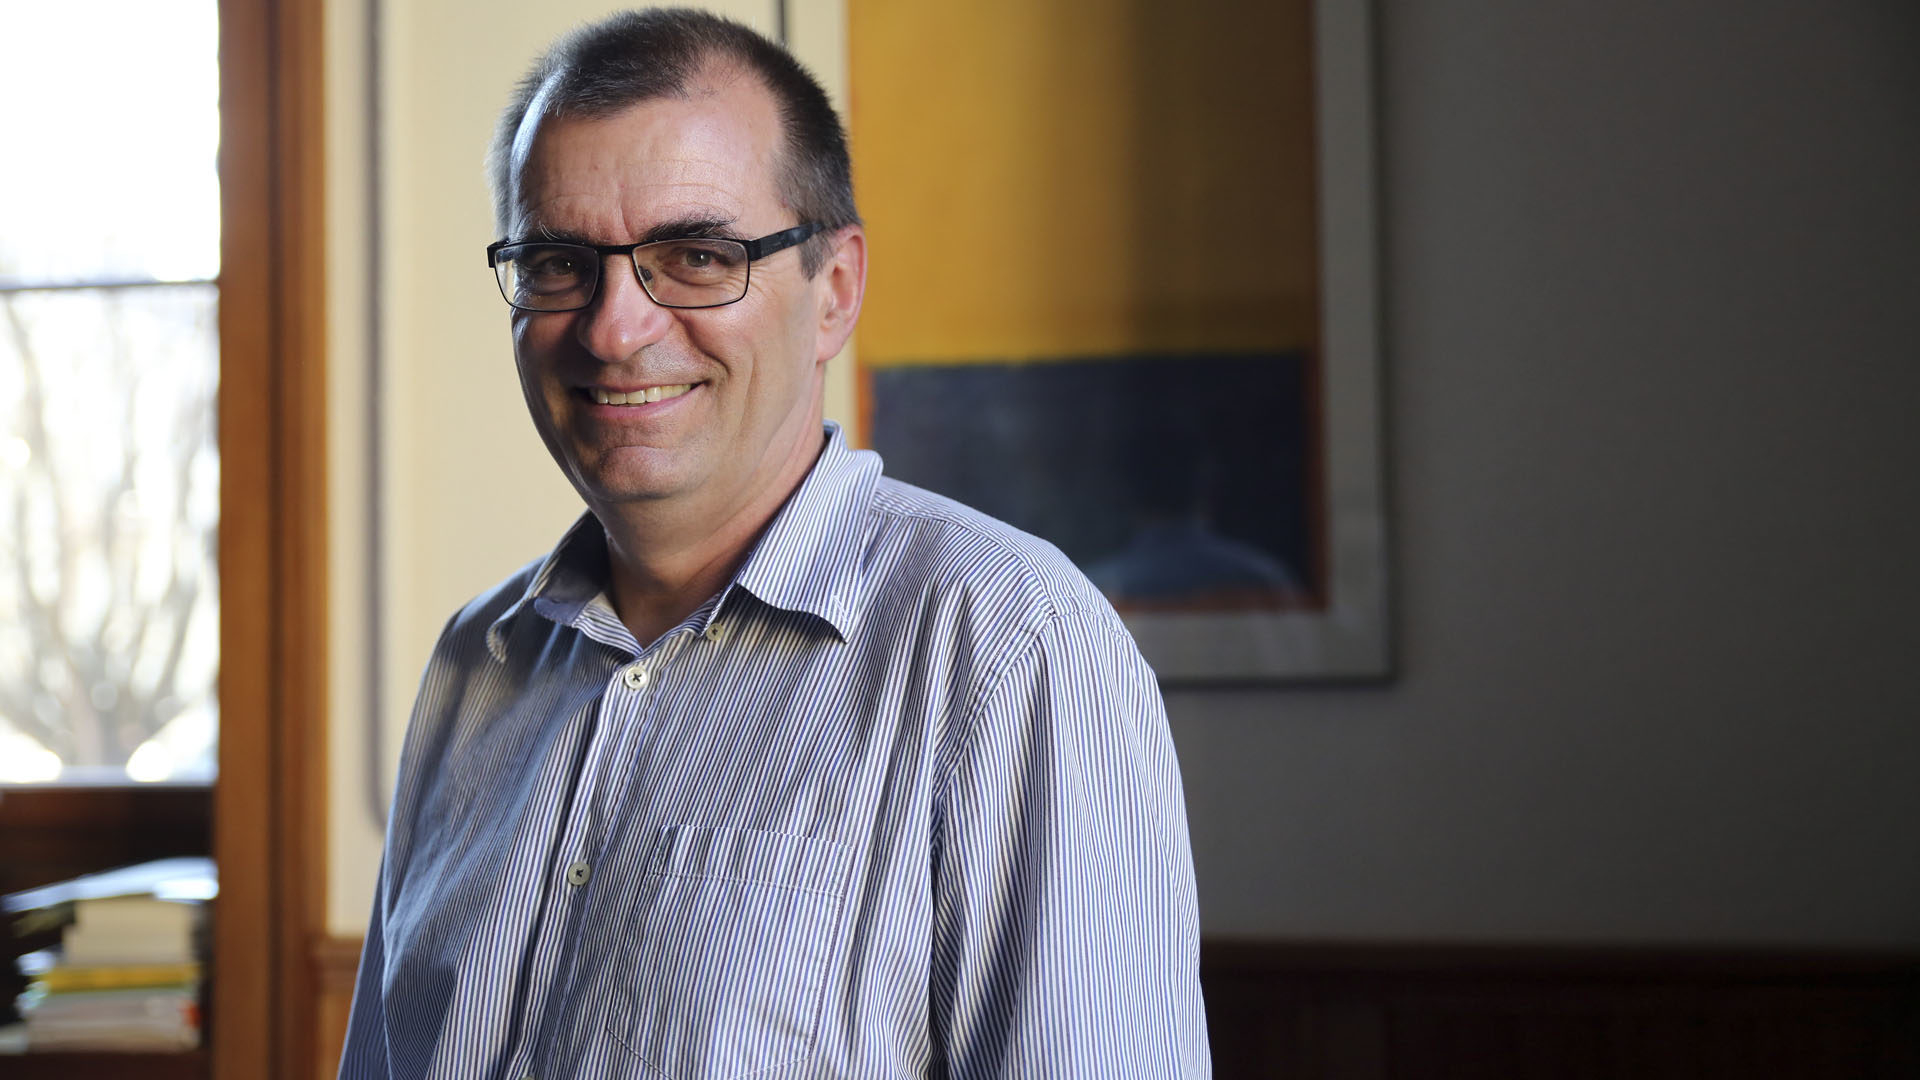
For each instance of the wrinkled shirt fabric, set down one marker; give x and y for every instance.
(899, 801)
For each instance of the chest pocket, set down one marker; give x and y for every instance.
(734, 932)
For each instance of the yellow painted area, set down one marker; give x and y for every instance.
(1083, 177)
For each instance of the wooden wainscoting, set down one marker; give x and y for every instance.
(1447, 1012)
(1306, 1012)
(336, 962)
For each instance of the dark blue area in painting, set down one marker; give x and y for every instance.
(1094, 455)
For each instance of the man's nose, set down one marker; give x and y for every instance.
(622, 319)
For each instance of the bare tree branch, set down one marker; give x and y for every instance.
(107, 707)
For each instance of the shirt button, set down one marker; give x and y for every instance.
(635, 677)
(579, 872)
(715, 631)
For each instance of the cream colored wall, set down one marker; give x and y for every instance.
(351, 828)
(438, 480)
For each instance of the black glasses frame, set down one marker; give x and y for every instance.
(756, 250)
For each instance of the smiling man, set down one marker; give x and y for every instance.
(774, 766)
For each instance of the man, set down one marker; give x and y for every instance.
(774, 767)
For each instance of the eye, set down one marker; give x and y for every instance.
(700, 262)
(550, 262)
(547, 270)
(704, 256)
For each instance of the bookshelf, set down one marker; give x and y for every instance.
(190, 1065)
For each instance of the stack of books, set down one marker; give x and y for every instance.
(127, 955)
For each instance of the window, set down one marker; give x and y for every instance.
(266, 831)
(109, 367)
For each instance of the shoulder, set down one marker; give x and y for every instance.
(942, 545)
(1036, 653)
(468, 629)
(972, 588)
(460, 689)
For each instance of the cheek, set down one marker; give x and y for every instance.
(760, 348)
(536, 342)
(782, 335)
(726, 339)
(522, 328)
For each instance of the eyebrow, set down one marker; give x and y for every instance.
(691, 227)
(676, 229)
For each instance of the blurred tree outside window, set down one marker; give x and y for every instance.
(109, 366)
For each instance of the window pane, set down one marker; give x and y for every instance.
(109, 468)
(110, 132)
(108, 606)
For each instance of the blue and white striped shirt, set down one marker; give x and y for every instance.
(900, 801)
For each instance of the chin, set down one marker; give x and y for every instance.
(608, 486)
(612, 491)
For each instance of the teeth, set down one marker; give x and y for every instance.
(640, 397)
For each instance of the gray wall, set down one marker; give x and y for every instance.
(1653, 335)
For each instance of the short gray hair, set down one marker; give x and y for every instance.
(603, 67)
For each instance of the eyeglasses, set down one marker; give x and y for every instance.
(693, 272)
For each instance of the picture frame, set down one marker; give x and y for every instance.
(1228, 497)
(1348, 638)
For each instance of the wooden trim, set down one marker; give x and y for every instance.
(80, 1066)
(1387, 1012)
(268, 803)
(301, 536)
(56, 832)
(1237, 956)
(244, 975)
(336, 965)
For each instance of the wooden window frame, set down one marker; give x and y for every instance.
(269, 801)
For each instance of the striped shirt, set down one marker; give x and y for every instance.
(900, 801)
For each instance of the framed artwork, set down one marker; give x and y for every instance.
(1123, 296)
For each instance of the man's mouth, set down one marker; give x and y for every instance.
(637, 397)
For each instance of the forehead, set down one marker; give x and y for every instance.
(709, 155)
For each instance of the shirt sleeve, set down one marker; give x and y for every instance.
(365, 1055)
(1066, 933)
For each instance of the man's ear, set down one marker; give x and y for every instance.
(841, 284)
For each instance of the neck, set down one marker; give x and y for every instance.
(666, 561)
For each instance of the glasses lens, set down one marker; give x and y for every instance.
(693, 272)
(547, 277)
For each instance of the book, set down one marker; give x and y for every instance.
(115, 1020)
(122, 930)
(122, 961)
(62, 979)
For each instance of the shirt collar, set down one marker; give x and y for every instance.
(807, 560)
(572, 574)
